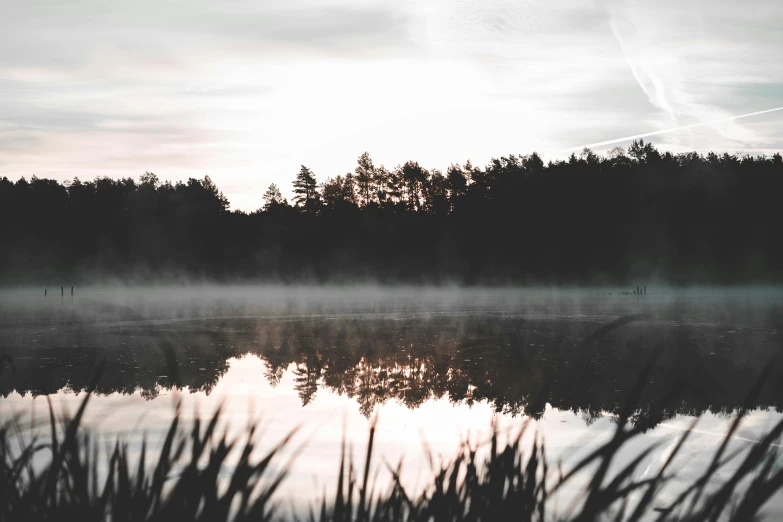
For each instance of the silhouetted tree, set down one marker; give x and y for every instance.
(457, 185)
(333, 191)
(643, 152)
(394, 185)
(148, 179)
(272, 197)
(219, 199)
(436, 193)
(413, 178)
(305, 188)
(381, 178)
(687, 218)
(365, 178)
(349, 188)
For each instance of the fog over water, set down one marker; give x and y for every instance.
(433, 364)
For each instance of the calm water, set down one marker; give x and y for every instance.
(435, 366)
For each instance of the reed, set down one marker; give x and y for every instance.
(194, 478)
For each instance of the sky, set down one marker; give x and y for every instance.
(247, 91)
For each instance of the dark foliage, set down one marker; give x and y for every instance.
(635, 214)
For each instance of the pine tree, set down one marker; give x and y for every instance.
(305, 188)
(349, 188)
(220, 200)
(381, 183)
(272, 197)
(365, 176)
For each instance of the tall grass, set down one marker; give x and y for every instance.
(203, 474)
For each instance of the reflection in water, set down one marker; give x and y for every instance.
(517, 358)
(431, 371)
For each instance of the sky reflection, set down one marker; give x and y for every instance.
(403, 433)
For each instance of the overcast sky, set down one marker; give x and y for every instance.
(246, 91)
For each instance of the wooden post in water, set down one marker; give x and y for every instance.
(62, 291)
(45, 292)
(71, 291)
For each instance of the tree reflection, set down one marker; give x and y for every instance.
(516, 366)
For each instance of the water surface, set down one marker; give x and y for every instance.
(436, 366)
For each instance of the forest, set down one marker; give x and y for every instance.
(631, 216)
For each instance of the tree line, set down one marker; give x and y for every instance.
(631, 215)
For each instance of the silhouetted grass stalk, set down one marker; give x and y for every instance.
(203, 474)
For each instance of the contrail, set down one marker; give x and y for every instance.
(673, 129)
(715, 434)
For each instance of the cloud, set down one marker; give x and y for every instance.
(643, 65)
(74, 34)
(247, 90)
(689, 59)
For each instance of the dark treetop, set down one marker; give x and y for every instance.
(636, 213)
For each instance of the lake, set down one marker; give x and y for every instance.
(435, 366)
